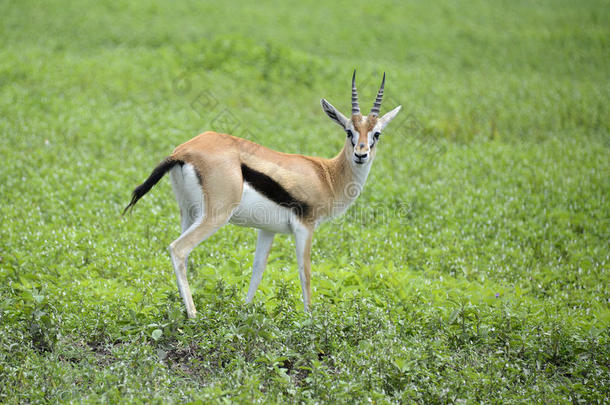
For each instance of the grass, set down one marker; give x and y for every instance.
(474, 267)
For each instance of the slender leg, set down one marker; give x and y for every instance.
(217, 214)
(179, 251)
(303, 237)
(190, 199)
(189, 215)
(263, 246)
(205, 207)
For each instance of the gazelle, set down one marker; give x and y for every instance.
(219, 178)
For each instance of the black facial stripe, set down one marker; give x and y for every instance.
(274, 191)
(375, 139)
(350, 135)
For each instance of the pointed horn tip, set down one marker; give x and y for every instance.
(355, 106)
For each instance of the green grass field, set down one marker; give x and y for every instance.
(474, 267)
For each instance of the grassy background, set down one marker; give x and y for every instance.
(473, 268)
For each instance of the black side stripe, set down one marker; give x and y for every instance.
(274, 191)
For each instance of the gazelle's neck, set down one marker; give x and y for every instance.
(348, 180)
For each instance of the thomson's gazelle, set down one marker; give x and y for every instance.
(219, 178)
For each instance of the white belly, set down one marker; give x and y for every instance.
(257, 211)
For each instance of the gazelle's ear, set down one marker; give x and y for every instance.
(334, 114)
(387, 117)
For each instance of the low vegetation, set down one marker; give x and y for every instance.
(474, 267)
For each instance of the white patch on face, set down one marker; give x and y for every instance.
(376, 129)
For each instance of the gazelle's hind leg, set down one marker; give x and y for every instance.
(219, 196)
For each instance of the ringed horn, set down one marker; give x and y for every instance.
(355, 106)
(377, 105)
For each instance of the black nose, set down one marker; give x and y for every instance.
(361, 156)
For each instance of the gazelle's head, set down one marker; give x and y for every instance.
(362, 131)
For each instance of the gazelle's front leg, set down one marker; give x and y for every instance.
(263, 246)
(303, 236)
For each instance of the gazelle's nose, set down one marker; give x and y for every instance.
(361, 154)
(361, 151)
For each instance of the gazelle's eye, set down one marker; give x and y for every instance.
(376, 135)
(350, 135)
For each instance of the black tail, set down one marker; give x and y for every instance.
(156, 175)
